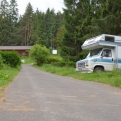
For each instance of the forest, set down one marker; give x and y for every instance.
(66, 32)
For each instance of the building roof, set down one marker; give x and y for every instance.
(15, 47)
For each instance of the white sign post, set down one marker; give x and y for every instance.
(54, 52)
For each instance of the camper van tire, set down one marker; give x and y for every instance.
(98, 69)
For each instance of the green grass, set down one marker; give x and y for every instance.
(6, 76)
(111, 78)
(27, 60)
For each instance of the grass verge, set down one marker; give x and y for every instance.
(6, 76)
(111, 78)
(27, 60)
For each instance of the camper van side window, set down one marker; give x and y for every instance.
(107, 53)
(109, 38)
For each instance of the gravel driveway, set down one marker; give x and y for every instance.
(35, 95)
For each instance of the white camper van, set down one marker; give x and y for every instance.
(104, 55)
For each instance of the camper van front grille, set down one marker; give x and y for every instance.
(82, 65)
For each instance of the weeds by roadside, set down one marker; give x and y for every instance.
(6, 76)
(26, 60)
(112, 78)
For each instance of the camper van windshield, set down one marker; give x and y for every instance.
(95, 52)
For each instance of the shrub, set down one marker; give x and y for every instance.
(64, 64)
(11, 58)
(83, 54)
(52, 59)
(59, 61)
(39, 53)
(1, 62)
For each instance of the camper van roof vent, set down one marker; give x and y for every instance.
(109, 38)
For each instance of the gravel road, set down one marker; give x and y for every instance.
(35, 95)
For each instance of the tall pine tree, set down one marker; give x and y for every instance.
(26, 25)
(13, 16)
(4, 23)
(77, 17)
(39, 32)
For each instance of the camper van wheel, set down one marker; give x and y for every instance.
(98, 69)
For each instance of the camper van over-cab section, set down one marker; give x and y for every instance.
(104, 55)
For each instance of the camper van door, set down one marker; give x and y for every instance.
(107, 59)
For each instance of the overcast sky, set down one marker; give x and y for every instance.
(42, 5)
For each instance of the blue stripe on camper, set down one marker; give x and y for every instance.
(105, 60)
(119, 61)
(101, 60)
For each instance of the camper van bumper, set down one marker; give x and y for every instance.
(84, 70)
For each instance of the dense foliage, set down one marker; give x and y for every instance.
(88, 18)
(65, 31)
(11, 59)
(59, 61)
(39, 53)
(33, 27)
(1, 62)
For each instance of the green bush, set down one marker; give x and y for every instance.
(27, 60)
(59, 61)
(39, 53)
(52, 59)
(83, 54)
(64, 64)
(65, 51)
(1, 62)
(11, 58)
